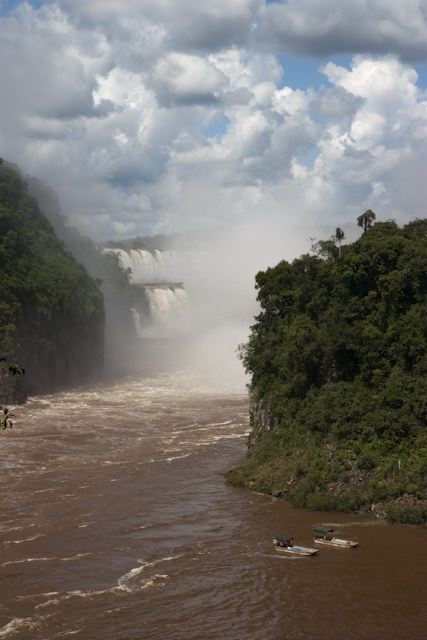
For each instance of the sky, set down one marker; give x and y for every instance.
(272, 119)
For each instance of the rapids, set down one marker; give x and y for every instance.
(117, 524)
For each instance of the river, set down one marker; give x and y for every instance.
(117, 524)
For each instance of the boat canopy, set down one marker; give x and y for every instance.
(283, 538)
(323, 532)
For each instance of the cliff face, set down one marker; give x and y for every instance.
(261, 419)
(51, 312)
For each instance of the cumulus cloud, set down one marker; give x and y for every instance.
(321, 29)
(157, 116)
(187, 79)
(189, 26)
(335, 103)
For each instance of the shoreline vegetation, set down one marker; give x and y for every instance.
(338, 364)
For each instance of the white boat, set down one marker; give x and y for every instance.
(327, 536)
(286, 544)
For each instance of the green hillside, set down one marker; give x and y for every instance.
(51, 311)
(338, 364)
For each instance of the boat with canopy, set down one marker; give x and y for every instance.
(327, 536)
(287, 544)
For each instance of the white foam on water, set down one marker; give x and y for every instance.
(23, 540)
(18, 625)
(133, 580)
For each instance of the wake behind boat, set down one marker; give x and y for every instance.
(327, 536)
(287, 545)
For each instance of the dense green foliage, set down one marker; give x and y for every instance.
(51, 311)
(338, 364)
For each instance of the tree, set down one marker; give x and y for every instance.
(366, 219)
(325, 249)
(339, 236)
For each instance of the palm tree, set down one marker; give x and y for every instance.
(366, 219)
(339, 236)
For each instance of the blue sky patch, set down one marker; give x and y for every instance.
(301, 74)
(217, 128)
(6, 6)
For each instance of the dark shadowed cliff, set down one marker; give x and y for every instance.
(51, 311)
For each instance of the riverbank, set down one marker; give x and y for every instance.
(329, 477)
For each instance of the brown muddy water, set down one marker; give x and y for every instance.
(116, 523)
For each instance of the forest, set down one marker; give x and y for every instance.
(337, 359)
(52, 313)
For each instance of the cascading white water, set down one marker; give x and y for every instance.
(150, 266)
(166, 300)
(156, 274)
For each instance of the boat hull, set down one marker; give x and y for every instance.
(342, 544)
(297, 550)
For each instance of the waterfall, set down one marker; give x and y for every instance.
(154, 274)
(191, 299)
(150, 266)
(164, 300)
(138, 323)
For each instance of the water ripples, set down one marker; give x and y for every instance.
(117, 523)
